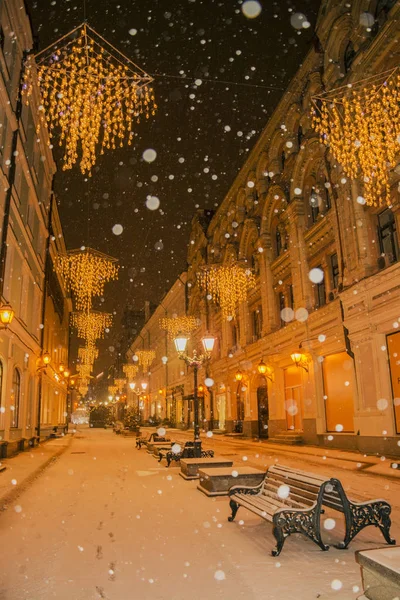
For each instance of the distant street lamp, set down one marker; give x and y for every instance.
(6, 315)
(195, 361)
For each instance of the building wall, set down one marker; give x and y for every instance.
(26, 172)
(292, 209)
(167, 376)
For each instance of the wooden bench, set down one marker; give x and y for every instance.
(186, 452)
(357, 515)
(293, 510)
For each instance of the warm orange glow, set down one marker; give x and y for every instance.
(6, 314)
(239, 376)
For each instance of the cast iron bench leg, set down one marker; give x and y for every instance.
(306, 522)
(234, 508)
(360, 516)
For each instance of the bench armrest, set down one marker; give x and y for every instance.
(246, 489)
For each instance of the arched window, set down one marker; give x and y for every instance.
(300, 135)
(349, 55)
(384, 6)
(15, 397)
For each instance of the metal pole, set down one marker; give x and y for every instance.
(196, 406)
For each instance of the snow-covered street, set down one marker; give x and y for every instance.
(107, 521)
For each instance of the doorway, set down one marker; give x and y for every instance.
(263, 411)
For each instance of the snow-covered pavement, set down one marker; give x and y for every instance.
(107, 521)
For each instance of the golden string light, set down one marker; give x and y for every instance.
(179, 325)
(145, 358)
(83, 390)
(90, 92)
(227, 286)
(85, 273)
(88, 354)
(84, 370)
(130, 371)
(91, 325)
(112, 389)
(120, 383)
(361, 125)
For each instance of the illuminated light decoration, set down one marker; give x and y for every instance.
(179, 325)
(6, 314)
(90, 92)
(227, 285)
(360, 123)
(83, 390)
(85, 273)
(88, 354)
(112, 389)
(130, 371)
(239, 375)
(84, 370)
(91, 325)
(145, 358)
(300, 360)
(120, 383)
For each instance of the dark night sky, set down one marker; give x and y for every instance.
(212, 127)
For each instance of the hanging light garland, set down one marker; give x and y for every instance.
(88, 354)
(120, 383)
(84, 370)
(85, 272)
(83, 390)
(227, 286)
(90, 92)
(130, 371)
(145, 358)
(179, 325)
(112, 389)
(91, 325)
(361, 125)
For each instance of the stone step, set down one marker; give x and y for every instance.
(289, 439)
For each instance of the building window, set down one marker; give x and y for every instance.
(320, 292)
(349, 55)
(15, 397)
(281, 305)
(283, 159)
(335, 270)
(257, 323)
(320, 202)
(291, 296)
(388, 236)
(278, 241)
(300, 135)
(384, 7)
(235, 336)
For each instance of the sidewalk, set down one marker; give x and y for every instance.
(345, 459)
(22, 469)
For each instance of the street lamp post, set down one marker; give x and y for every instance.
(196, 361)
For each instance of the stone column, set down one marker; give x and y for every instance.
(302, 287)
(268, 303)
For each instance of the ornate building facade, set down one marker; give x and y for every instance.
(30, 394)
(331, 346)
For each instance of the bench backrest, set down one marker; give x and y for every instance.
(304, 488)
